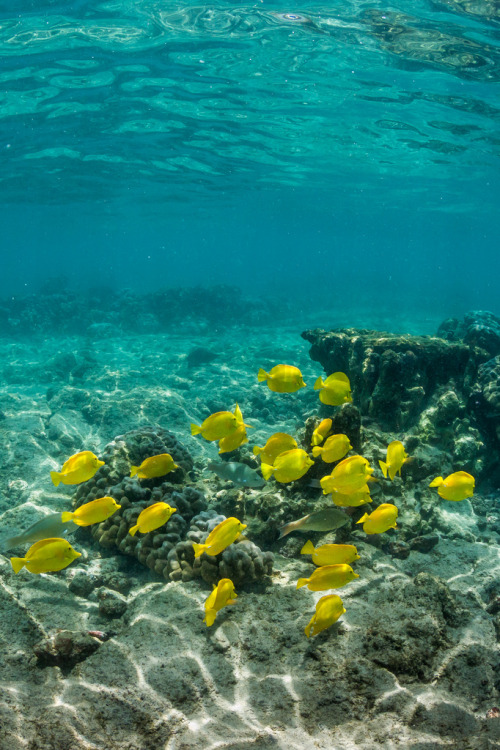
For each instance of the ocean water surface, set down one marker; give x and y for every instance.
(345, 153)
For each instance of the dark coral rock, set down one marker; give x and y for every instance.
(111, 604)
(65, 648)
(393, 377)
(423, 543)
(450, 330)
(82, 584)
(485, 397)
(200, 356)
(399, 550)
(479, 328)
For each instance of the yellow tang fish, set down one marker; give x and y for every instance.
(276, 444)
(221, 537)
(349, 476)
(354, 500)
(235, 438)
(288, 466)
(321, 431)
(335, 448)
(219, 425)
(328, 577)
(95, 511)
(79, 468)
(152, 518)
(396, 457)
(328, 610)
(335, 390)
(456, 486)
(330, 554)
(154, 466)
(46, 556)
(222, 595)
(282, 379)
(381, 519)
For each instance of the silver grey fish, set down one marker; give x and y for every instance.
(327, 519)
(47, 527)
(236, 472)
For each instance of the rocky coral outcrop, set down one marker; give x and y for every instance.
(479, 328)
(168, 551)
(394, 377)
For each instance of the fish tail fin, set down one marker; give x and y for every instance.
(7, 542)
(195, 429)
(133, 531)
(67, 516)
(302, 582)
(133, 470)
(318, 384)
(317, 451)
(383, 466)
(266, 470)
(256, 450)
(308, 548)
(363, 518)
(210, 616)
(199, 549)
(17, 563)
(262, 375)
(437, 482)
(56, 478)
(307, 629)
(286, 529)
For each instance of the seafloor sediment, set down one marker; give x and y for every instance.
(113, 654)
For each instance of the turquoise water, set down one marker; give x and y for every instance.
(347, 153)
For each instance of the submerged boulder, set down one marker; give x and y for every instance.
(394, 377)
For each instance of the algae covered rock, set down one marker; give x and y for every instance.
(394, 377)
(479, 328)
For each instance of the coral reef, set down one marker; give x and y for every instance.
(414, 659)
(105, 312)
(394, 377)
(168, 551)
(430, 390)
(478, 328)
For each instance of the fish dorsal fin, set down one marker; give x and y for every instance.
(340, 376)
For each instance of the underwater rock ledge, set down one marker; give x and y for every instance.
(444, 391)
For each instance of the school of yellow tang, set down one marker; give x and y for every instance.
(283, 460)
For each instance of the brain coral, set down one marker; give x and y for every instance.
(168, 551)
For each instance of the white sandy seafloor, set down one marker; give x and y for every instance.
(413, 663)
